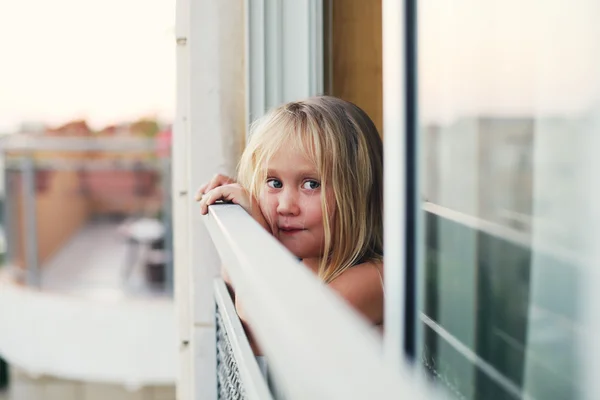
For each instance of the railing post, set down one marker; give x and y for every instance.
(167, 222)
(7, 217)
(30, 221)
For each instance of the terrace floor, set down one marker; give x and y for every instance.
(98, 262)
(95, 318)
(24, 387)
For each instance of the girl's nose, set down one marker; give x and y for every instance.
(288, 203)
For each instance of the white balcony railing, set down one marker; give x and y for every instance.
(317, 347)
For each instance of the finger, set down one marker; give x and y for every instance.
(226, 180)
(213, 183)
(199, 193)
(211, 197)
(229, 193)
(218, 180)
(204, 203)
(201, 190)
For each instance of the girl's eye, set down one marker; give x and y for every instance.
(274, 183)
(311, 185)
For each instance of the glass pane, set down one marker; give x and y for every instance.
(509, 118)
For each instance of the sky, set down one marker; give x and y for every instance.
(509, 57)
(114, 60)
(107, 61)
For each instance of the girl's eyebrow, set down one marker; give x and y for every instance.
(303, 172)
(308, 172)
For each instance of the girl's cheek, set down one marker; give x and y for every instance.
(267, 214)
(266, 205)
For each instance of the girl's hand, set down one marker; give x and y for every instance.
(222, 187)
(231, 192)
(216, 181)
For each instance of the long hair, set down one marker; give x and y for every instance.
(346, 149)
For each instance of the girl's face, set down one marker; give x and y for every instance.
(291, 202)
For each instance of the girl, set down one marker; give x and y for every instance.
(312, 175)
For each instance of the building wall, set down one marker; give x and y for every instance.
(60, 212)
(123, 192)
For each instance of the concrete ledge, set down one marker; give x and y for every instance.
(124, 341)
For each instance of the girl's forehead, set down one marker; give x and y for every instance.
(289, 158)
(289, 161)
(293, 147)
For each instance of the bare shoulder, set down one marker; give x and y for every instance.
(368, 271)
(361, 287)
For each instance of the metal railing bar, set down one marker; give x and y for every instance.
(88, 165)
(24, 142)
(254, 382)
(30, 224)
(503, 232)
(474, 358)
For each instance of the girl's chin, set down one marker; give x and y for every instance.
(298, 250)
(295, 251)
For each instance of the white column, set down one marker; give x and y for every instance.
(179, 203)
(209, 130)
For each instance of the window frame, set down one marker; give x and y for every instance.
(400, 178)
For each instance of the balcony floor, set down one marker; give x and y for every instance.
(89, 323)
(94, 263)
(24, 387)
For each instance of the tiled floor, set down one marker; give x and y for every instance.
(93, 264)
(23, 387)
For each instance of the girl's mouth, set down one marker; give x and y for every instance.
(290, 231)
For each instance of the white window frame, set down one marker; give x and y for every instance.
(284, 49)
(394, 127)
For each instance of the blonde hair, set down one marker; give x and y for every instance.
(347, 151)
